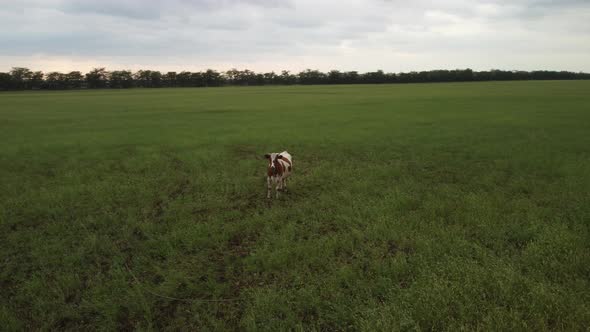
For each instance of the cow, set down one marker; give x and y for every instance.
(280, 166)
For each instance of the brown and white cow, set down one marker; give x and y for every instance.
(280, 166)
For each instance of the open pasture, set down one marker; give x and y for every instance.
(433, 206)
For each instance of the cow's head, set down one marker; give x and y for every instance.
(274, 167)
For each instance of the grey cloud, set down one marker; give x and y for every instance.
(130, 9)
(553, 3)
(234, 30)
(152, 9)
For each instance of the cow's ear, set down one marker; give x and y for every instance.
(267, 156)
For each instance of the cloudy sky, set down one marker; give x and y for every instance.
(264, 35)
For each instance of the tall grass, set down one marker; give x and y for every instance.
(435, 206)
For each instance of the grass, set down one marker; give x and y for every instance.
(412, 207)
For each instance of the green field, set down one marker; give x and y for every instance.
(411, 207)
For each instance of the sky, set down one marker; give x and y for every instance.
(274, 35)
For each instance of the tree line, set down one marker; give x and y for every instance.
(24, 79)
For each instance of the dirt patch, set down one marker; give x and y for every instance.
(247, 151)
(179, 189)
(239, 246)
(394, 248)
(124, 322)
(64, 323)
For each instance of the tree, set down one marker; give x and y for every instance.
(37, 80)
(156, 79)
(312, 77)
(5, 81)
(232, 76)
(56, 81)
(21, 77)
(287, 78)
(143, 78)
(270, 78)
(258, 79)
(197, 79)
(335, 77)
(184, 78)
(74, 79)
(241, 77)
(97, 78)
(121, 79)
(170, 79)
(351, 77)
(212, 78)
(376, 77)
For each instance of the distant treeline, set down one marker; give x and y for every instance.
(25, 79)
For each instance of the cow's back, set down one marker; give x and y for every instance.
(288, 165)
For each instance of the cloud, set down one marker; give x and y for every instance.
(154, 9)
(295, 34)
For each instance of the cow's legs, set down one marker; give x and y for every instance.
(279, 187)
(285, 184)
(268, 187)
